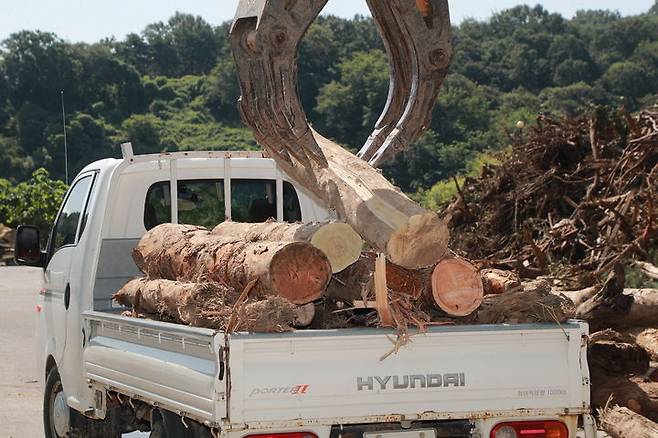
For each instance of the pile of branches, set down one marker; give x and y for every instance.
(7, 238)
(576, 198)
(576, 205)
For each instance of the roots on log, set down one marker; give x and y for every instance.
(338, 241)
(620, 422)
(209, 305)
(296, 271)
(534, 303)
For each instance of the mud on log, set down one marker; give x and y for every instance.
(338, 241)
(296, 271)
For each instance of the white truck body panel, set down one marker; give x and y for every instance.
(483, 369)
(308, 379)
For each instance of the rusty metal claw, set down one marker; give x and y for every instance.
(265, 38)
(424, 27)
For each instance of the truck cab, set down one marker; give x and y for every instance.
(107, 374)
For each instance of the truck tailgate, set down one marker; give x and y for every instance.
(339, 377)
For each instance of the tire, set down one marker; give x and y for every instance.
(51, 397)
(57, 415)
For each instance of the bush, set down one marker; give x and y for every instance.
(34, 202)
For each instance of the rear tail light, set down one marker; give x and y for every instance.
(530, 429)
(284, 435)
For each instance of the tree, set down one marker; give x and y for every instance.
(194, 41)
(34, 202)
(654, 9)
(629, 79)
(349, 108)
(38, 66)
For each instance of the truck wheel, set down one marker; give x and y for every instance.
(60, 421)
(56, 413)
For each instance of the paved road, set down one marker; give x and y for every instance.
(20, 393)
(20, 383)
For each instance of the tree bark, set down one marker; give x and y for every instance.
(338, 241)
(210, 305)
(457, 287)
(296, 271)
(621, 422)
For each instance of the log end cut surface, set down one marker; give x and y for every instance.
(340, 243)
(457, 287)
(300, 273)
(420, 242)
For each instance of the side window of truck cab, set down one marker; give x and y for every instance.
(71, 221)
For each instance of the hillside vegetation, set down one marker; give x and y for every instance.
(173, 87)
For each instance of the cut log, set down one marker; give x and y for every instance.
(296, 271)
(457, 287)
(497, 281)
(613, 306)
(356, 282)
(533, 303)
(620, 422)
(631, 308)
(209, 305)
(338, 241)
(410, 235)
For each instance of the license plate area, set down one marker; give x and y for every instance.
(417, 433)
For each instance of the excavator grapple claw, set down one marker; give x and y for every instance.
(265, 38)
(424, 28)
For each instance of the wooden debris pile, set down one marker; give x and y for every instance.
(574, 200)
(576, 207)
(7, 237)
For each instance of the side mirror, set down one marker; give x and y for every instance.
(27, 251)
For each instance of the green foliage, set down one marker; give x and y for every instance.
(350, 106)
(34, 202)
(174, 87)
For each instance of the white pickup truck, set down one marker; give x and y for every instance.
(106, 374)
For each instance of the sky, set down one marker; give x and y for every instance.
(92, 20)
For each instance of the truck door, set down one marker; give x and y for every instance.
(61, 247)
